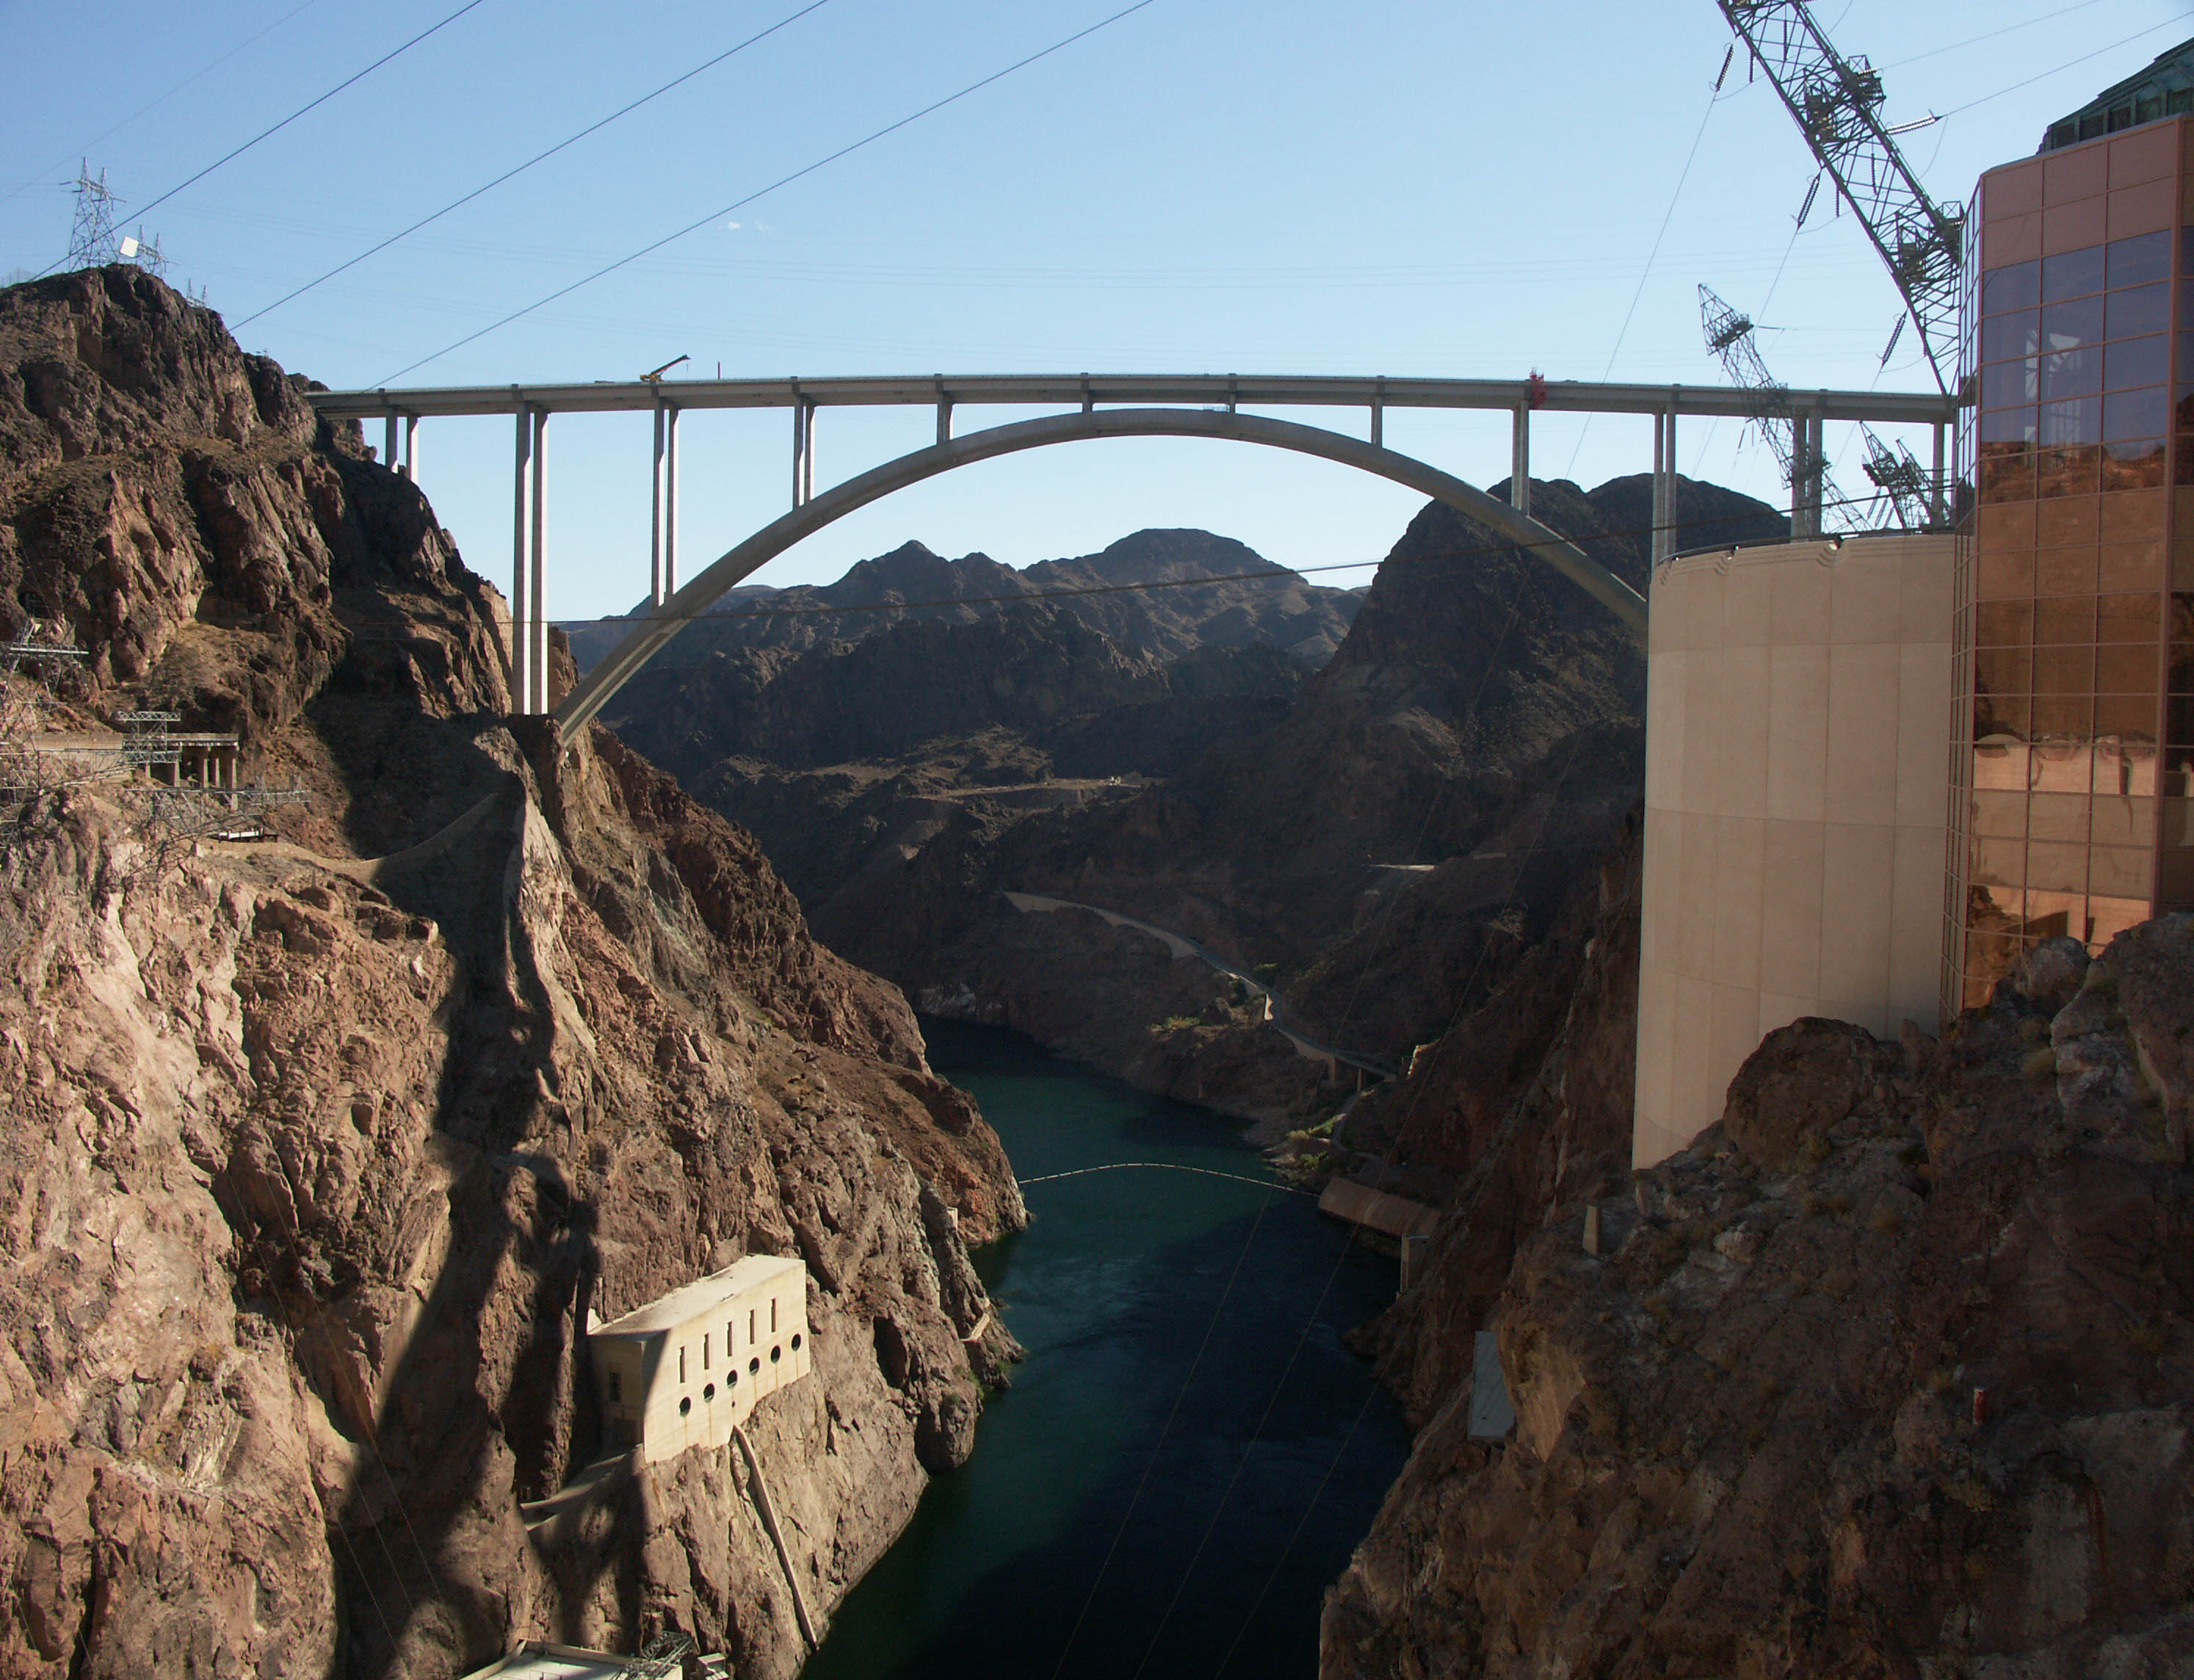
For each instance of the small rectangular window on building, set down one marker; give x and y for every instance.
(704, 1349)
(772, 1315)
(682, 1365)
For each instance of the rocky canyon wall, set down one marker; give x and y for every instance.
(321, 1146)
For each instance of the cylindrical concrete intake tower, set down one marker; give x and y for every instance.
(1797, 793)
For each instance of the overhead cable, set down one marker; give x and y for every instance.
(310, 105)
(537, 158)
(761, 192)
(2168, 23)
(154, 104)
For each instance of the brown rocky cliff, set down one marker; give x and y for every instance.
(1892, 1374)
(320, 1150)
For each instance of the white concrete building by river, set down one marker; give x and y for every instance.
(683, 1370)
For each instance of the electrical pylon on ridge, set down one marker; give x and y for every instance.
(1837, 102)
(93, 242)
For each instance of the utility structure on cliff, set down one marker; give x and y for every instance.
(685, 1370)
(1837, 102)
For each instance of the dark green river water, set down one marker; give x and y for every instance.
(1188, 1454)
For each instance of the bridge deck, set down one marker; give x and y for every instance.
(1207, 390)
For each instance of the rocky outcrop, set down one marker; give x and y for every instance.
(323, 1146)
(1887, 1374)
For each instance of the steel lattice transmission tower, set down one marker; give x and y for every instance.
(1729, 335)
(93, 242)
(1837, 103)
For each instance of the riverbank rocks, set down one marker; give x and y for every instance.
(323, 1144)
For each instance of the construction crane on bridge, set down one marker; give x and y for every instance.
(1837, 102)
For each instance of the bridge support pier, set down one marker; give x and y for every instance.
(1520, 460)
(1808, 464)
(803, 453)
(662, 523)
(529, 624)
(1938, 512)
(1664, 484)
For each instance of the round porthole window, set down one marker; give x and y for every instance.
(775, 1354)
(795, 1341)
(731, 1379)
(709, 1392)
(685, 1405)
(754, 1365)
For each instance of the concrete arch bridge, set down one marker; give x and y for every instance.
(1193, 405)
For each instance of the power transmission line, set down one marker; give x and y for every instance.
(153, 105)
(312, 105)
(2168, 23)
(761, 192)
(539, 157)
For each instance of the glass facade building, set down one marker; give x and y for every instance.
(2073, 761)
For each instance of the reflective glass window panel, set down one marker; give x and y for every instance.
(2066, 325)
(2145, 257)
(2129, 618)
(2060, 620)
(2134, 414)
(2001, 576)
(2076, 421)
(2065, 572)
(2006, 384)
(2004, 337)
(2009, 425)
(2068, 469)
(2143, 309)
(2003, 624)
(2186, 475)
(2057, 817)
(2008, 475)
(2128, 718)
(2071, 274)
(2010, 715)
(2070, 373)
(2064, 670)
(2017, 287)
(2004, 670)
(2137, 361)
(2135, 463)
(2000, 813)
(2056, 866)
(2119, 872)
(2130, 669)
(2176, 822)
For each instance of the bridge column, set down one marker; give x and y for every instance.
(662, 522)
(537, 617)
(1520, 460)
(521, 566)
(411, 447)
(1938, 512)
(1664, 484)
(1808, 467)
(388, 440)
(803, 452)
(944, 417)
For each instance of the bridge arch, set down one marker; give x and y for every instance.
(653, 632)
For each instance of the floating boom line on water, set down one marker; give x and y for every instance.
(1164, 1166)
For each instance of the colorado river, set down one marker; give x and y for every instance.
(1188, 1454)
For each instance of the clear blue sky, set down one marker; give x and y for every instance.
(1208, 184)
